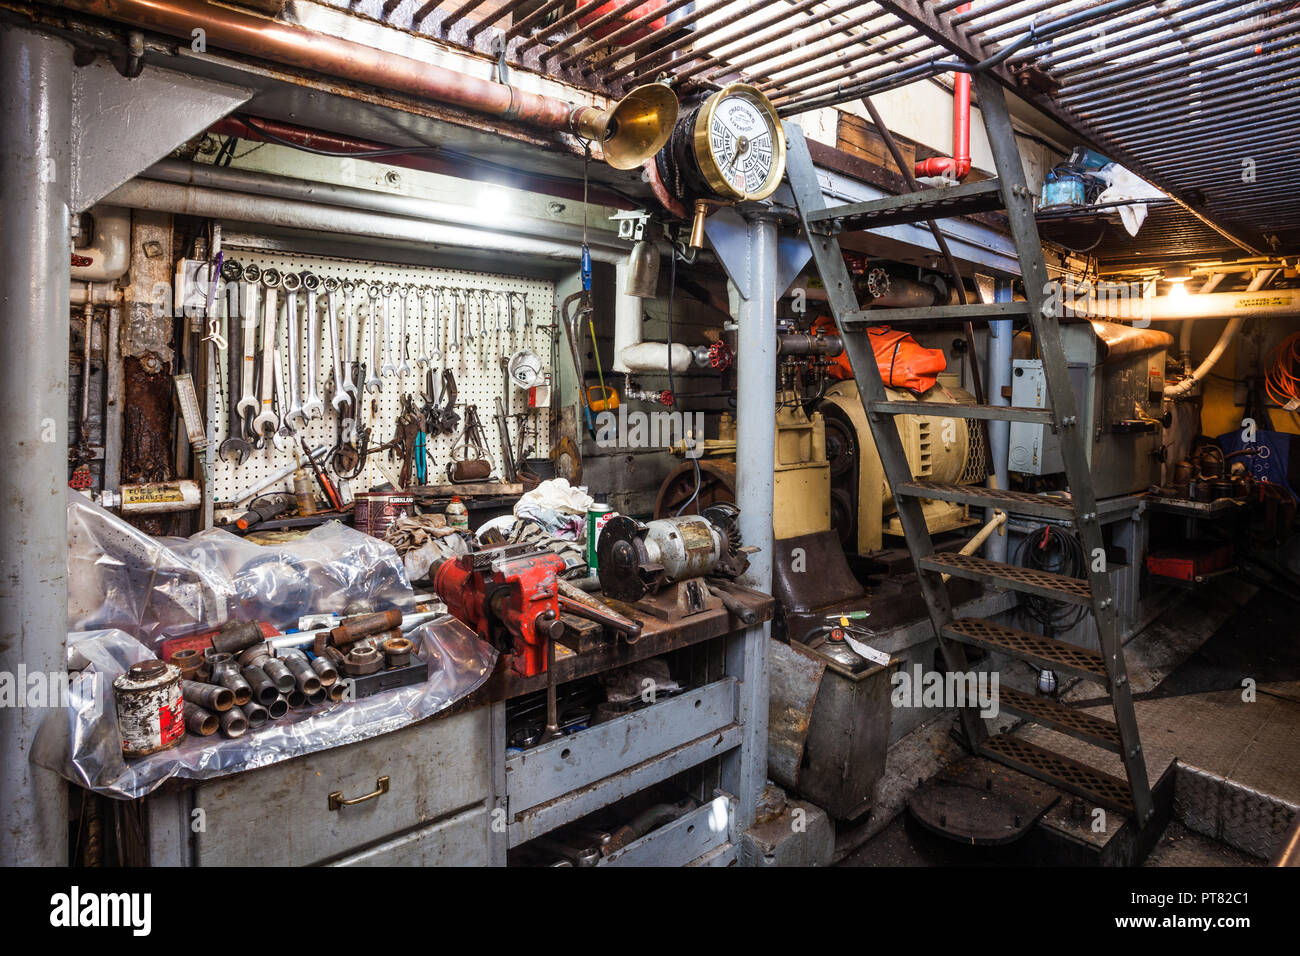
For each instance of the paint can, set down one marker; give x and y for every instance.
(150, 714)
(598, 513)
(374, 511)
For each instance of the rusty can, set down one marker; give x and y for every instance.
(374, 511)
(150, 712)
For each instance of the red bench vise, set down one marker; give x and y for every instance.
(508, 595)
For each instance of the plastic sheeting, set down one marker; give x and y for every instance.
(86, 747)
(119, 577)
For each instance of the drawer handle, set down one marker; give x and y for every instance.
(336, 798)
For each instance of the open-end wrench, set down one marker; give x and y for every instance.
(313, 406)
(248, 403)
(349, 338)
(266, 421)
(403, 303)
(292, 413)
(236, 447)
(482, 314)
(373, 382)
(389, 368)
(421, 356)
(340, 398)
(467, 330)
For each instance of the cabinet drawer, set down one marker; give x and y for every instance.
(281, 814)
(460, 840)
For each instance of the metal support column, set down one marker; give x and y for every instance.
(744, 770)
(35, 184)
(1001, 336)
(755, 400)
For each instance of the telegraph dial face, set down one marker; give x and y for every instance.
(739, 144)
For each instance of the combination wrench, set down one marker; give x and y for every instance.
(403, 303)
(266, 421)
(248, 403)
(283, 438)
(236, 447)
(421, 356)
(389, 368)
(340, 398)
(453, 344)
(313, 406)
(373, 382)
(292, 413)
(435, 354)
(349, 338)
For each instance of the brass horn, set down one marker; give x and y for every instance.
(633, 129)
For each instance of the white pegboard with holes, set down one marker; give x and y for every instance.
(476, 364)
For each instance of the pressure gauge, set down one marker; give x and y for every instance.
(739, 143)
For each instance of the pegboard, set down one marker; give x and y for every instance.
(476, 364)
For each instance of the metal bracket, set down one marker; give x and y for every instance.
(121, 126)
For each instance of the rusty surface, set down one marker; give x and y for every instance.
(293, 45)
(147, 436)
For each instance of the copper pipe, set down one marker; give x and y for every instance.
(294, 46)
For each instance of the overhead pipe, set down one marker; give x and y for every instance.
(1180, 390)
(958, 165)
(1185, 334)
(314, 217)
(295, 46)
(262, 130)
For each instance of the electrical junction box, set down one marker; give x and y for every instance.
(1117, 374)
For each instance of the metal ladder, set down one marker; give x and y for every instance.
(1009, 192)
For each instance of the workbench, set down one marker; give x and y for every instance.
(448, 790)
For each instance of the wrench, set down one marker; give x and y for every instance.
(236, 444)
(482, 314)
(266, 421)
(403, 295)
(454, 344)
(435, 354)
(373, 379)
(248, 404)
(349, 339)
(340, 398)
(422, 356)
(313, 407)
(292, 412)
(283, 439)
(389, 368)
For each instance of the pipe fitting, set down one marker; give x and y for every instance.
(280, 674)
(325, 670)
(303, 673)
(234, 723)
(227, 675)
(264, 689)
(255, 714)
(278, 707)
(209, 696)
(200, 722)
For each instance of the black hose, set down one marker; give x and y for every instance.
(1050, 549)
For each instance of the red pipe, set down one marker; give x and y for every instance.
(428, 162)
(956, 166)
(295, 46)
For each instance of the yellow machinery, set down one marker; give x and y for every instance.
(938, 448)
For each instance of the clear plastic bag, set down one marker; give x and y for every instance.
(151, 588)
(86, 747)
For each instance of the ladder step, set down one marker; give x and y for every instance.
(974, 312)
(1067, 720)
(1105, 789)
(963, 200)
(1045, 652)
(998, 413)
(1012, 502)
(1055, 587)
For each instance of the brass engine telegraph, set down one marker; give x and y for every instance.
(730, 148)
